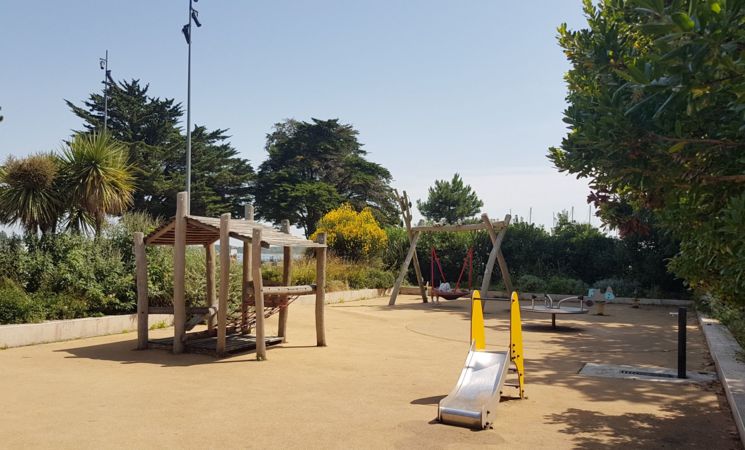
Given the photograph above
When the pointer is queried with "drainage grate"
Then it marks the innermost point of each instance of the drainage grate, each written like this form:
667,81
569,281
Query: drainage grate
647,374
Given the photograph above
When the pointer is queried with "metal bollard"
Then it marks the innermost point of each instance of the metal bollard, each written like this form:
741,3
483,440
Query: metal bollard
682,321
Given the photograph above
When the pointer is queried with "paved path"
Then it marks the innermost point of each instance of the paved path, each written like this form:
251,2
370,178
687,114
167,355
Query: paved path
375,386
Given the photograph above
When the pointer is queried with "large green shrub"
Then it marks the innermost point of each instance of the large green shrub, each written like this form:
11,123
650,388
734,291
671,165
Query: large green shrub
531,283
565,285
61,305
16,306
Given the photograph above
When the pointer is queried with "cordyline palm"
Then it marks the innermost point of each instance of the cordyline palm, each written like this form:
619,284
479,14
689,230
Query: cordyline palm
30,194
98,177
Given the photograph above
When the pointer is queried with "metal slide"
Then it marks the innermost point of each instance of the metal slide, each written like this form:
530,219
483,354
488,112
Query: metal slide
473,401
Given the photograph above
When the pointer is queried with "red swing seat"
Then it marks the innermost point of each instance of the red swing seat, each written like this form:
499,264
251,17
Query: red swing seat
457,292
451,295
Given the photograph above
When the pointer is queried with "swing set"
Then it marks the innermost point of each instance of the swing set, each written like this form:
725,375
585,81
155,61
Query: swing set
496,230
443,289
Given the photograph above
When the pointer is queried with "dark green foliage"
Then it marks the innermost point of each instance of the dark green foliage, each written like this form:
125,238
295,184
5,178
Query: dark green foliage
528,250
312,168
395,251
148,126
61,305
583,252
87,268
565,285
531,283
370,278
16,306
450,201
622,287
656,117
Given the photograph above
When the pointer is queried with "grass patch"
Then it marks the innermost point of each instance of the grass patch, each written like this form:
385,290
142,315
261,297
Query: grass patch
159,325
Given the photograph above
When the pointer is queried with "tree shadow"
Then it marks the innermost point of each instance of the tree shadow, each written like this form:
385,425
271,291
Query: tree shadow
124,352
594,429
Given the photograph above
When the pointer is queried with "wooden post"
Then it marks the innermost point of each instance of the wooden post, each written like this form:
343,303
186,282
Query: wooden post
142,301
505,273
179,273
209,250
286,280
258,295
496,240
404,268
320,290
247,276
222,307
406,213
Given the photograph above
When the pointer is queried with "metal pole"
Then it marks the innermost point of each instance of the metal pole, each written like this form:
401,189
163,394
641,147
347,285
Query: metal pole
106,94
188,120
682,321
105,68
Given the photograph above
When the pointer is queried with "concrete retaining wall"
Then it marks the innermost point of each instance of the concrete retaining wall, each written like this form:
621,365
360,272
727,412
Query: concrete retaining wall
63,330
342,296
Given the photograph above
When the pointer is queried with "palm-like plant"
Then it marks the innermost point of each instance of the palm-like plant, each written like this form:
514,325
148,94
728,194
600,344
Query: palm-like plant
98,177
30,194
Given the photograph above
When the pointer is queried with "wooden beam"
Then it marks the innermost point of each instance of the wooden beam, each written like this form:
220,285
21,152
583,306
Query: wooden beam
496,239
247,276
286,280
404,268
465,227
142,300
258,295
222,306
505,273
320,290
179,273
290,290
212,310
406,213
159,233
210,269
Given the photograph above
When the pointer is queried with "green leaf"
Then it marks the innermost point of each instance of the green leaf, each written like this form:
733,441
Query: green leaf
677,147
683,20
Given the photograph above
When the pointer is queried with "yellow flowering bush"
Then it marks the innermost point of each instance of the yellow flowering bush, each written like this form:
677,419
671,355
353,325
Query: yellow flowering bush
352,235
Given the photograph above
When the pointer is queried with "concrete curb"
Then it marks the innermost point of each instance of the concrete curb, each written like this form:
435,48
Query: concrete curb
413,290
724,350
19,335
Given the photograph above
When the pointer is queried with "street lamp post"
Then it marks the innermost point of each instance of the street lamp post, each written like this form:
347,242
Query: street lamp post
104,64
193,17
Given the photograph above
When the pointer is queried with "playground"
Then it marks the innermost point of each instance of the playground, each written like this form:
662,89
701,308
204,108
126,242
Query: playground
377,384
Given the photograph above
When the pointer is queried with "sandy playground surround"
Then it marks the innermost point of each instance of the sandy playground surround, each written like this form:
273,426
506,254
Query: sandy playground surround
376,385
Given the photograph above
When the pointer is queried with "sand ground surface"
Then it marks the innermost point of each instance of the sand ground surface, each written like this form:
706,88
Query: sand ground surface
376,385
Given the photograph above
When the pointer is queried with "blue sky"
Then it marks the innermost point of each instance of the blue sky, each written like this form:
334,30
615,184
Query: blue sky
433,87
